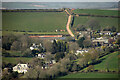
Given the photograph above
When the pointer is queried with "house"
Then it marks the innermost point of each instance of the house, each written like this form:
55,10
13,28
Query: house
41,56
21,68
81,52
118,33
52,62
100,41
35,47
106,33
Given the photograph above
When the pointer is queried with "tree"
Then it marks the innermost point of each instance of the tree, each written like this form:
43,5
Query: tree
59,55
80,42
113,29
28,53
47,45
7,41
54,47
16,46
90,68
87,43
81,27
73,46
48,56
94,54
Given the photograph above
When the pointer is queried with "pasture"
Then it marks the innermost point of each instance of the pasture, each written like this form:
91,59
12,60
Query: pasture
110,61
102,21
91,75
15,60
34,21
97,12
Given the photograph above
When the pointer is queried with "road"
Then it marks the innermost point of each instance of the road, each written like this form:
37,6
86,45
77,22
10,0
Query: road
68,23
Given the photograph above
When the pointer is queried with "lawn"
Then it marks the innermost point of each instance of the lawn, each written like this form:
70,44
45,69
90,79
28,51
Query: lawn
15,53
97,12
110,61
34,21
15,60
102,22
91,75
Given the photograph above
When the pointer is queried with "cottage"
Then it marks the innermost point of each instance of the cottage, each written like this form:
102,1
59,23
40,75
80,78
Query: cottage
35,47
81,52
21,68
41,56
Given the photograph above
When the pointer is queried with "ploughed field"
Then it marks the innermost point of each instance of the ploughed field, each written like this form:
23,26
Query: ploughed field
34,21
97,12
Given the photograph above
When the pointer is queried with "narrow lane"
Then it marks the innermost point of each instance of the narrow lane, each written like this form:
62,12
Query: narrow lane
68,23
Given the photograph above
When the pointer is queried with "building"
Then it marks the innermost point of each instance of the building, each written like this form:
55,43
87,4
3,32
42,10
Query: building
41,56
21,68
81,52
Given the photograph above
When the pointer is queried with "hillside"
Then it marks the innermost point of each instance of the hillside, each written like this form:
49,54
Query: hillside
110,61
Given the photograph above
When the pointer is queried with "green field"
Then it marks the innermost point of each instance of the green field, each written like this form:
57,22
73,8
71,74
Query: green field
97,12
15,53
91,75
103,22
34,21
15,60
110,61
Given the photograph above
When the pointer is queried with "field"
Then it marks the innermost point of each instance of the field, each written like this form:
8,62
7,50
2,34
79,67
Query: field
103,22
110,61
97,12
15,60
91,75
34,21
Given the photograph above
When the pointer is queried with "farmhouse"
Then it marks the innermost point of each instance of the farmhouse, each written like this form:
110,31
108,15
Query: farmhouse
21,68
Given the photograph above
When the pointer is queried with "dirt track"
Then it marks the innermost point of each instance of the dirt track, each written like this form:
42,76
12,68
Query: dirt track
68,23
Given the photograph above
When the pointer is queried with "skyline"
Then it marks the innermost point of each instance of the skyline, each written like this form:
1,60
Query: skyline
60,0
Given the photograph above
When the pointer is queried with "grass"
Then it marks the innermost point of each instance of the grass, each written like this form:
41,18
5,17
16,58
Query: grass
34,21
97,12
15,53
39,33
110,61
103,22
15,60
91,75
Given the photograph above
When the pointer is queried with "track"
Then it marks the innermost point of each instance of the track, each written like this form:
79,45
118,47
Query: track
68,23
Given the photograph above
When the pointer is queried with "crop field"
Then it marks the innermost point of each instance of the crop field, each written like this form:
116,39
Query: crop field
97,12
15,60
34,21
91,75
102,21
110,61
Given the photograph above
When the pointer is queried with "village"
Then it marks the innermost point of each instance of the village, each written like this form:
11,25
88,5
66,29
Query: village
103,40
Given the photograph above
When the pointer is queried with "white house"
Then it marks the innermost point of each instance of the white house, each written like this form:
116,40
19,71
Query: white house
81,52
41,56
118,33
21,68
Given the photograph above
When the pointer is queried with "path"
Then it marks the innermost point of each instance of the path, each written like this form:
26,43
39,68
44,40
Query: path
68,23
